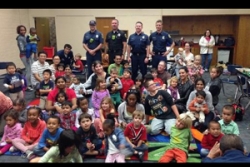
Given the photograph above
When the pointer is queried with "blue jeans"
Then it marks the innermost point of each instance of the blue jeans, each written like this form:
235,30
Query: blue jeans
30,48
206,60
141,148
204,152
38,151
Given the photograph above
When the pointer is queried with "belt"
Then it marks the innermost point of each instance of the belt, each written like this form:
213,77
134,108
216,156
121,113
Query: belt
115,51
138,54
159,53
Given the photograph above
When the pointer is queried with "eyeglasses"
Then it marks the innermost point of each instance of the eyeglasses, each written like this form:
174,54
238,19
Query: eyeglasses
132,91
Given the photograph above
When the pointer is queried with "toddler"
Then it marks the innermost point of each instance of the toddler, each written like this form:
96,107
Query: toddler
197,108
60,70
78,87
78,66
173,89
49,137
31,133
89,138
68,118
116,146
31,46
179,61
83,107
214,135
127,83
195,69
180,138
14,82
12,130
98,94
136,134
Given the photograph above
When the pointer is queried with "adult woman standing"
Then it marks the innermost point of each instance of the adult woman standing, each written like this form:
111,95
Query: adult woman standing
60,85
126,108
200,85
206,43
6,105
189,56
53,67
185,87
27,62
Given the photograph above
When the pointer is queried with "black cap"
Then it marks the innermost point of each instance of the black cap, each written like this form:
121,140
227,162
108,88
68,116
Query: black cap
92,23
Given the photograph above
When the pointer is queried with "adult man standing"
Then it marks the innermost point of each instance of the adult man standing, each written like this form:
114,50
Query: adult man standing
116,42
92,43
66,55
138,45
160,40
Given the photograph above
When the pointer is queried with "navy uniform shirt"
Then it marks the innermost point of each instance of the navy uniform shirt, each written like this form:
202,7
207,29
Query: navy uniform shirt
92,39
160,41
115,40
138,42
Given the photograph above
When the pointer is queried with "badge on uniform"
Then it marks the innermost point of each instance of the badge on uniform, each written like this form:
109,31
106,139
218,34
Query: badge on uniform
118,34
96,36
113,37
91,40
163,37
143,37
169,36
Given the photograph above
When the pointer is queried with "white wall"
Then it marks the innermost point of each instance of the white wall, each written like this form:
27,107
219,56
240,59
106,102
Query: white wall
10,19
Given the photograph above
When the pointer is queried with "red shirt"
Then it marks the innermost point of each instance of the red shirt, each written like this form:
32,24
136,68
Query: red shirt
126,85
59,73
208,141
135,135
77,63
158,81
52,94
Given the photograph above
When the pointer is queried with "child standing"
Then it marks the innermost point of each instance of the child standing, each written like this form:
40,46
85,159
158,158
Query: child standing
68,118
83,107
12,130
87,132
180,138
32,40
198,108
114,86
14,82
19,105
228,126
214,135
179,61
66,149
116,146
49,137
78,66
107,107
196,69
136,134
60,70
173,89
98,94
45,87
78,87
127,82
31,133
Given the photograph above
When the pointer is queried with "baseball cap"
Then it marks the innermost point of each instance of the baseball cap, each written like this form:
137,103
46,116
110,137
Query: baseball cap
92,23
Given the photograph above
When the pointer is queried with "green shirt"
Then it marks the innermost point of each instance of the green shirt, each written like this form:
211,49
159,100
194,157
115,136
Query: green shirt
119,69
231,128
52,155
180,138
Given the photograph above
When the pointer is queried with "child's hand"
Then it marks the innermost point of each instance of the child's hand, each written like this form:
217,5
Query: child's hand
124,124
197,109
8,141
113,88
191,148
112,80
122,146
11,87
205,132
92,147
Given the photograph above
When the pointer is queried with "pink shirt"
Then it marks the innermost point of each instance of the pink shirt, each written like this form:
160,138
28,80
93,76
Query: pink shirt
52,94
12,132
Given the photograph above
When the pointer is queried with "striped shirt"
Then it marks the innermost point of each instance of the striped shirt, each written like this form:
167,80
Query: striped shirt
38,68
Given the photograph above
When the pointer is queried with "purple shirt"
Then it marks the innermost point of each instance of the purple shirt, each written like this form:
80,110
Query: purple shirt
12,132
96,99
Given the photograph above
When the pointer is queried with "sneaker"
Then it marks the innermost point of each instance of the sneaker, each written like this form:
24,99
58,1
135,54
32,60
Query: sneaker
141,156
13,149
29,154
29,88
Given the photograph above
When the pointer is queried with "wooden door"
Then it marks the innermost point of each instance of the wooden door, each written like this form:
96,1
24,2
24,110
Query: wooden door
43,32
103,24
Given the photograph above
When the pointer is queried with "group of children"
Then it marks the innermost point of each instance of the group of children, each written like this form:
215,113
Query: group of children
67,135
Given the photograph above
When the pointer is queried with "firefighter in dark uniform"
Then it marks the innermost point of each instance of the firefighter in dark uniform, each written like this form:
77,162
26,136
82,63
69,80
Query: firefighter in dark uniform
116,41
138,45
92,43
160,40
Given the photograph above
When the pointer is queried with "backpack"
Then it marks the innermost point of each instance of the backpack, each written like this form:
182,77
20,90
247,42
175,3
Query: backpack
239,112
